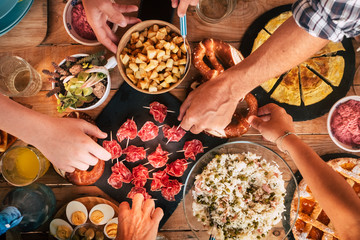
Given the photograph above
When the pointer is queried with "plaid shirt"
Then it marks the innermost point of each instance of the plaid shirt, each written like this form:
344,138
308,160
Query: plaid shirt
328,19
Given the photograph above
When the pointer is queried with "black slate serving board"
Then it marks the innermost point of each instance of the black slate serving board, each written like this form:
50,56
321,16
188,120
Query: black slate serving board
128,103
291,187
302,112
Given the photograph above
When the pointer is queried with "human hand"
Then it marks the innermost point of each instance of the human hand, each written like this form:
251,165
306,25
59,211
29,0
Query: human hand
67,144
272,122
98,12
183,6
210,106
140,222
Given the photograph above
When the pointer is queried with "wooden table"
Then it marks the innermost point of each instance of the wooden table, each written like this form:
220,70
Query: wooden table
57,45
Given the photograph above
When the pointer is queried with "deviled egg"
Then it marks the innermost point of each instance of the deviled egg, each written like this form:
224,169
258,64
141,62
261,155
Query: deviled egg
76,213
110,229
60,229
101,214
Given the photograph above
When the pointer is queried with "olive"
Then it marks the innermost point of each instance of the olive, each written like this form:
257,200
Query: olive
75,237
90,233
99,235
81,231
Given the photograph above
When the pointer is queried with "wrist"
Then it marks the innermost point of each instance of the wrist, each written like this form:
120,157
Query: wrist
283,140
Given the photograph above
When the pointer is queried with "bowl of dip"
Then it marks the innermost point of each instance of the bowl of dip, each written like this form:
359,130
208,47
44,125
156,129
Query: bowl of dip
77,26
343,123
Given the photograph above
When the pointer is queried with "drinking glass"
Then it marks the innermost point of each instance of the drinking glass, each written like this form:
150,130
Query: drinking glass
213,11
18,78
22,165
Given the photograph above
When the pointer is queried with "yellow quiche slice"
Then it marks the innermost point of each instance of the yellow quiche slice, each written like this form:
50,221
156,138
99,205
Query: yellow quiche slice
288,90
331,47
331,68
274,23
314,89
260,39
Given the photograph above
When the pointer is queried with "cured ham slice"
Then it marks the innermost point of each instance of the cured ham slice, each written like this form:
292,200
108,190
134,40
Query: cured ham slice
134,153
140,175
127,130
158,111
115,181
113,147
136,190
171,189
192,148
160,178
148,132
176,168
158,158
174,133
124,173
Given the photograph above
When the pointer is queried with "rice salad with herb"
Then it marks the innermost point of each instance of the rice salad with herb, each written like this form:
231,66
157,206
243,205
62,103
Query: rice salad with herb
242,195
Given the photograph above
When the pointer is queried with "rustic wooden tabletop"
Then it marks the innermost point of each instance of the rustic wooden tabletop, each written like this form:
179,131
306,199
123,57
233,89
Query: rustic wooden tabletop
57,45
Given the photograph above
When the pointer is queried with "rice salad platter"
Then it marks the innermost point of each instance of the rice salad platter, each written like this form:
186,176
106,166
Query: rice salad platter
239,196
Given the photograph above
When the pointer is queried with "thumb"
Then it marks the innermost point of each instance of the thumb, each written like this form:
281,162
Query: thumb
255,122
93,130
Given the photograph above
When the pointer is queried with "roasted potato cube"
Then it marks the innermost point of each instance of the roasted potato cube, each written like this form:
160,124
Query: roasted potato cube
176,49
183,48
157,80
160,54
134,67
144,85
151,34
166,74
153,64
125,59
168,29
178,75
177,39
175,70
160,35
128,70
154,40
141,38
165,84
132,78
169,63
175,78
174,57
155,27
153,75
142,66
142,57
176,63
139,44
182,61
147,44
151,53
138,75
153,89
161,76
161,67
169,79
159,87
179,54
168,38
167,45
182,69
172,46
135,35
138,61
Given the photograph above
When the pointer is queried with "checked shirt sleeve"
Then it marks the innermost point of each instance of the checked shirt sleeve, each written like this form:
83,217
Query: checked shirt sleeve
328,19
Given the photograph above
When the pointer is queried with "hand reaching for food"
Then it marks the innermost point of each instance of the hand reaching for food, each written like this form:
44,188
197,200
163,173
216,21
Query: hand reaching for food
68,145
139,222
99,12
210,106
183,5
272,122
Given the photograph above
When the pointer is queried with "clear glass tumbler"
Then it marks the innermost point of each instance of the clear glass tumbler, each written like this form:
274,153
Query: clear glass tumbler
18,78
23,165
213,11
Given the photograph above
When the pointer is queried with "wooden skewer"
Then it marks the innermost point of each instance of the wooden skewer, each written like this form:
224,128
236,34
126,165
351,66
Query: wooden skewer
168,141
184,150
151,170
170,111
127,142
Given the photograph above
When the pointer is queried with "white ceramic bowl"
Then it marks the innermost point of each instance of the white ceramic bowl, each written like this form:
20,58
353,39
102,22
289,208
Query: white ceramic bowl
333,138
70,30
111,63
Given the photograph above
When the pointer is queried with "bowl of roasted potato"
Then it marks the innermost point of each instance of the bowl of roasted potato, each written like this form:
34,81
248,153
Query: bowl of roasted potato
152,57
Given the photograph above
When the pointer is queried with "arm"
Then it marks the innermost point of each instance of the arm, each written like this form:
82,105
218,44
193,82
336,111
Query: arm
343,208
98,12
63,141
212,104
140,222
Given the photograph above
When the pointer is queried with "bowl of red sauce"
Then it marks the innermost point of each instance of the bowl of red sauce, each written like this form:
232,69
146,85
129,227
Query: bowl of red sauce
343,123
77,26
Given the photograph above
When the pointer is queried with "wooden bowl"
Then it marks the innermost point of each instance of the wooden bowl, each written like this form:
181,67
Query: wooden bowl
138,28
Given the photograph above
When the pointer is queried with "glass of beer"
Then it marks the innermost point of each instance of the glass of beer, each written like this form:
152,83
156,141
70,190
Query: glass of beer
18,78
23,165
213,11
